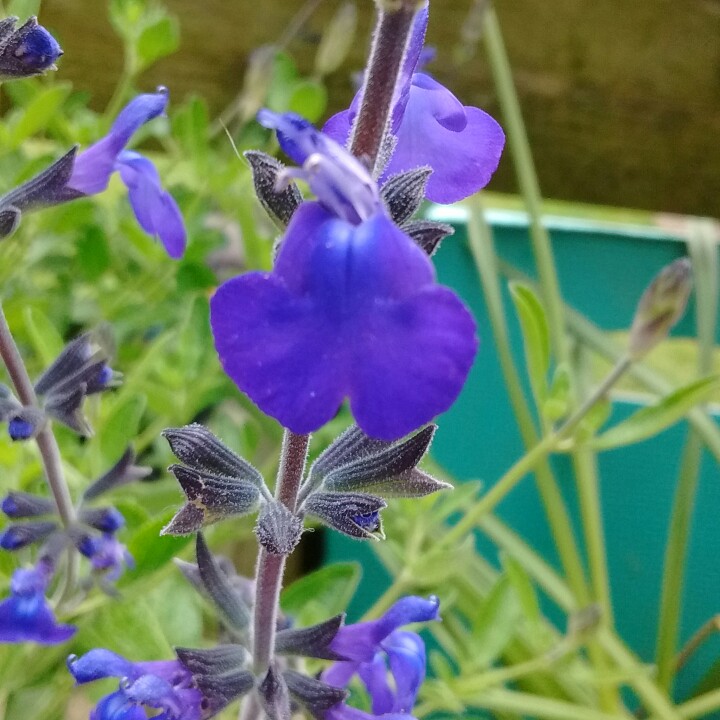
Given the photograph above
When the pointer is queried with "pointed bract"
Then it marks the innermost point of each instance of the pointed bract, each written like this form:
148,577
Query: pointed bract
233,611
313,641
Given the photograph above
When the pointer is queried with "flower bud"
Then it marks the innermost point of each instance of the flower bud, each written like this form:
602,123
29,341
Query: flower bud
26,423
26,51
660,307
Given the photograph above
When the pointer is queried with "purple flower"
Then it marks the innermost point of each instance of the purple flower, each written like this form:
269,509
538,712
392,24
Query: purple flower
432,128
375,648
351,309
106,554
154,208
164,685
26,616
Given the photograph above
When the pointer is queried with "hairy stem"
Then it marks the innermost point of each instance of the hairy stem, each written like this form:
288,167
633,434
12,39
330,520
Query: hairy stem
389,45
270,568
49,451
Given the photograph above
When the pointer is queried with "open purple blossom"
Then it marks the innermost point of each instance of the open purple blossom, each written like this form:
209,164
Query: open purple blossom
378,648
26,616
155,209
164,685
351,309
432,128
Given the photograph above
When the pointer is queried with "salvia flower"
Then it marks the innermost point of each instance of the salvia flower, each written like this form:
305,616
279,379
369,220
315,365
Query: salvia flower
26,616
164,685
432,128
155,209
377,649
26,51
351,309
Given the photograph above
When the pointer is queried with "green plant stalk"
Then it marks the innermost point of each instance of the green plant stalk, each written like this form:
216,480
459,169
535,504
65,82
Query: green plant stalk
703,252
653,698
482,247
590,510
527,179
597,340
530,460
549,283
701,705
527,704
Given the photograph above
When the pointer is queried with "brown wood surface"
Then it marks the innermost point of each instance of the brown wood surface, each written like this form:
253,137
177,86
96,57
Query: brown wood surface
621,97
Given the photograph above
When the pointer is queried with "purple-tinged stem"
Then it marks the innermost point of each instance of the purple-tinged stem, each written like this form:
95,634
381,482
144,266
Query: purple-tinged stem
390,41
49,450
270,568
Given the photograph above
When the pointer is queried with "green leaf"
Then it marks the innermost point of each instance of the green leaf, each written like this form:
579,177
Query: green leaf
151,551
23,8
158,40
309,99
536,337
654,419
190,125
93,253
46,340
523,587
121,427
195,336
321,594
38,114
557,402
496,623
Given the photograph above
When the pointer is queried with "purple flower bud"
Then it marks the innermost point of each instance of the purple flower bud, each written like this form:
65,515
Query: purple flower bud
20,535
105,519
29,50
17,504
20,429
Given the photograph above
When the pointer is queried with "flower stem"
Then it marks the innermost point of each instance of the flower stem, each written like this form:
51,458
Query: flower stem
49,451
531,459
706,273
527,179
270,568
482,247
389,45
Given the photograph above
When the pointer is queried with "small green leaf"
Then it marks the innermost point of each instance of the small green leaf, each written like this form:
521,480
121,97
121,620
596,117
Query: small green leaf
523,587
38,114
151,551
195,336
654,419
309,99
46,340
23,8
321,594
495,623
121,426
557,402
536,337
93,253
190,125
158,40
